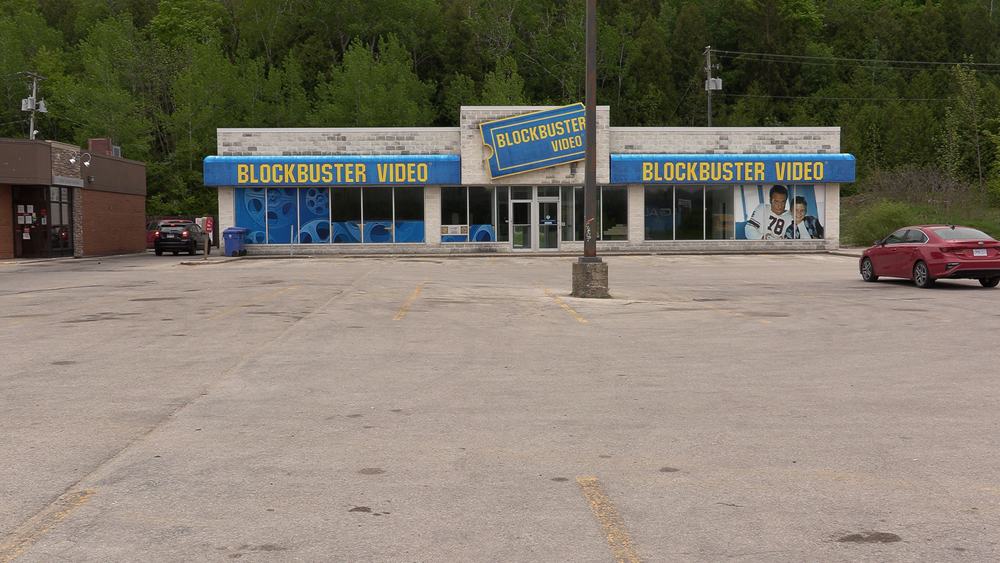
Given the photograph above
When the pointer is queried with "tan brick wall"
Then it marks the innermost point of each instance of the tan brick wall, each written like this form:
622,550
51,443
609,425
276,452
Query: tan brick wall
333,141
111,223
6,223
725,140
475,169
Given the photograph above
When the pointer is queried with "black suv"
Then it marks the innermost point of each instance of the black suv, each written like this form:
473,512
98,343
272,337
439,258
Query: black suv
176,236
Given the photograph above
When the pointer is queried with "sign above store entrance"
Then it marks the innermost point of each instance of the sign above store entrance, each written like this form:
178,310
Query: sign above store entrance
536,140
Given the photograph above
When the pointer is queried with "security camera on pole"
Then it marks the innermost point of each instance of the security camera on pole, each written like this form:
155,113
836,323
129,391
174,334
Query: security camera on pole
590,273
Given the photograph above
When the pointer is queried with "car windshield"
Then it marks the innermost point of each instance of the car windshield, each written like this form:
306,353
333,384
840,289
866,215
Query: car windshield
961,233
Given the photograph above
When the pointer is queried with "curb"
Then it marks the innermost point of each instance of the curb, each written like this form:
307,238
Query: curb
210,262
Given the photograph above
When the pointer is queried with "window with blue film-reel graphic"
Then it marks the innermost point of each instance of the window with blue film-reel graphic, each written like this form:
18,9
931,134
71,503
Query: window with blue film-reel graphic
303,215
250,213
282,215
314,215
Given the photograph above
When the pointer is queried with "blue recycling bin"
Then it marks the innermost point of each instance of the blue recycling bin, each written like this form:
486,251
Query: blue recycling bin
234,238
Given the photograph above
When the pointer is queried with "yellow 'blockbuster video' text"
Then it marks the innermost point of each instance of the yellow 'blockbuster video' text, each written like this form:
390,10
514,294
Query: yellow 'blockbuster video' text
331,173
541,132
731,172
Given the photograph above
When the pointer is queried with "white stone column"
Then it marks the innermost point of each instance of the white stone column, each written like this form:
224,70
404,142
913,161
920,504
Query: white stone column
832,212
227,211
636,214
432,215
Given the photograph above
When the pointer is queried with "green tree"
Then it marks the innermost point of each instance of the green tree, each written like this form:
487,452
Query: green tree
504,86
23,33
374,89
102,96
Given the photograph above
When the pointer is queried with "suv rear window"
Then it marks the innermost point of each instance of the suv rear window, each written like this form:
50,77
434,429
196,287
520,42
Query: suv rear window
962,233
175,227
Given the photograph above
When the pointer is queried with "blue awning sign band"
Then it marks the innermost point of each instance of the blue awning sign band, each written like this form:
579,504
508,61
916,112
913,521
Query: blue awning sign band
536,140
335,170
732,168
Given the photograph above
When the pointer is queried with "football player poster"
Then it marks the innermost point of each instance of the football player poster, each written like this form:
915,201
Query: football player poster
778,211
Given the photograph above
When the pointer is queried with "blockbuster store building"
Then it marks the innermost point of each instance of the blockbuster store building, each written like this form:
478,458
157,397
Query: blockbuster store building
510,179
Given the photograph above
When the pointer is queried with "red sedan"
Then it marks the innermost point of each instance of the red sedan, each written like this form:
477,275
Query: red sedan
932,252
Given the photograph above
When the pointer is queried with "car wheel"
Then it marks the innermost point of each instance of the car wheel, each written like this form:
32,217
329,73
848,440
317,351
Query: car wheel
921,275
868,271
989,282
176,252
158,251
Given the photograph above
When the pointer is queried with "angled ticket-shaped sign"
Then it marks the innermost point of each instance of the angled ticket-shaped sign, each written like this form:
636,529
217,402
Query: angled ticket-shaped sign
535,140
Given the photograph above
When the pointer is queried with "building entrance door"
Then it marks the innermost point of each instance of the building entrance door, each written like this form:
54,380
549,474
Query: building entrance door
548,225
520,235
31,222
535,218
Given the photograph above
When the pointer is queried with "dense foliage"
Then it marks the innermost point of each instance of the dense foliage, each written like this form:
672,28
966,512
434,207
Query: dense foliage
159,76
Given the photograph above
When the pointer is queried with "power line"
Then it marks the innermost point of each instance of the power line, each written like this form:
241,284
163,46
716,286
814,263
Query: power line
858,65
837,98
848,59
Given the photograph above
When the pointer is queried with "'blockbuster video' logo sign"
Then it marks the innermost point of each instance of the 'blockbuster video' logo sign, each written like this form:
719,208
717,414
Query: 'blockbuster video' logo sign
535,140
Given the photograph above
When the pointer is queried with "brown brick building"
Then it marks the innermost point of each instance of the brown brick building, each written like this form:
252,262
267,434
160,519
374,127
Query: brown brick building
59,200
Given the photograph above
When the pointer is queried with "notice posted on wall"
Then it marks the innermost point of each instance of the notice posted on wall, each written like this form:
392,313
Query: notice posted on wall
26,235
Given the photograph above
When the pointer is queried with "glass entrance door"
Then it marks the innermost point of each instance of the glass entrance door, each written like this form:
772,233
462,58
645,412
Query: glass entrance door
520,235
548,225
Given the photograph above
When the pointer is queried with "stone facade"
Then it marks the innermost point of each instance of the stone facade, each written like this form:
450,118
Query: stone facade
323,141
63,171
467,142
725,140
475,170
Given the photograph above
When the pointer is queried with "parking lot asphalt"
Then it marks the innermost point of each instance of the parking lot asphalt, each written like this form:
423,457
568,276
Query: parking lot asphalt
753,408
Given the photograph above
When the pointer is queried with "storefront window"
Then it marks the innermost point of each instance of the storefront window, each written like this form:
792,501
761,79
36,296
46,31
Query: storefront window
345,214
60,222
568,217
282,216
614,213
481,216
314,215
689,212
659,212
376,210
409,214
474,214
779,211
503,221
807,210
454,215
719,213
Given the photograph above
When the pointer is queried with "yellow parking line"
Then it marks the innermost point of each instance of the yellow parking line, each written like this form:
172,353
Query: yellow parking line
234,308
606,513
409,301
579,318
31,531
